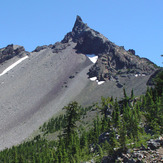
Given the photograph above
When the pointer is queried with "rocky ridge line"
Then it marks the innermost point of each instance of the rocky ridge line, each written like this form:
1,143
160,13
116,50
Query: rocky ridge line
113,59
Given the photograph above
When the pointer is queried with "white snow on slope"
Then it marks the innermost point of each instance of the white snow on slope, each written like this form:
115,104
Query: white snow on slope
93,78
93,58
136,75
13,65
100,82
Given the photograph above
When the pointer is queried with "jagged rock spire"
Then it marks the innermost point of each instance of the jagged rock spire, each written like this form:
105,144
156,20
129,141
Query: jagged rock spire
79,26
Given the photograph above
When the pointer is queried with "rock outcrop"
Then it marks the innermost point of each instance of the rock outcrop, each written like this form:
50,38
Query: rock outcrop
39,48
153,153
10,51
112,59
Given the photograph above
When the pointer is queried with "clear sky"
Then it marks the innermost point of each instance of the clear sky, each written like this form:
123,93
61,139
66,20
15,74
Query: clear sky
134,24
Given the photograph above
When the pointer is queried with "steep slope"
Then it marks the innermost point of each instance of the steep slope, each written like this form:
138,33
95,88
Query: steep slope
53,75
36,89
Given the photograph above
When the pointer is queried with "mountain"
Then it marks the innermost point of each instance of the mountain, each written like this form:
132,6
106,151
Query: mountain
112,58
36,85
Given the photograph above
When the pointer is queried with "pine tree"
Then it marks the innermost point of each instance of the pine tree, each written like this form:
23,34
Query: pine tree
116,114
65,156
105,125
97,129
72,115
112,138
132,94
100,151
83,139
104,108
16,156
124,93
159,83
123,135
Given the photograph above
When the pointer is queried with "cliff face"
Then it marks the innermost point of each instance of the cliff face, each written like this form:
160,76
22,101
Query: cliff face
113,59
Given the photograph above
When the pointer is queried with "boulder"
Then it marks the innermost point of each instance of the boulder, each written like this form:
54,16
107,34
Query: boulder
153,144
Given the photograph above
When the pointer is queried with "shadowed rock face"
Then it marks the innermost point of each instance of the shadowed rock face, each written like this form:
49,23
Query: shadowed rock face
112,60
10,51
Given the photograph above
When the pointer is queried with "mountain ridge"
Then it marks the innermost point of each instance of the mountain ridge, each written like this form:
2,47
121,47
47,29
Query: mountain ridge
55,74
112,58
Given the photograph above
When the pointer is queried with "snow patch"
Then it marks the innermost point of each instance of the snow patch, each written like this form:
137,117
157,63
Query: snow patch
93,58
93,78
100,82
136,75
13,65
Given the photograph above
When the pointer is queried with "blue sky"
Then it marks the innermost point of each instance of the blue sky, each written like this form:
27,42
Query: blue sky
134,24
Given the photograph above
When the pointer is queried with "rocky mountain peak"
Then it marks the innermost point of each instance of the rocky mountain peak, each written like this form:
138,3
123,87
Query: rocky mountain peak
85,37
79,26
112,59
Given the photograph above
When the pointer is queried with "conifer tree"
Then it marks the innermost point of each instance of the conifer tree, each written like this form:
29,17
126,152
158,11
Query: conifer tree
159,83
72,115
104,108
105,125
112,138
100,151
84,139
124,93
116,114
123,135
97,129
132,94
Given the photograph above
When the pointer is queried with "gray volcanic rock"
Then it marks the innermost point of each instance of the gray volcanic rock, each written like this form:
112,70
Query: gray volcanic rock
112,58
39,48
131,51
59,46
10,51
35,90
78,28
